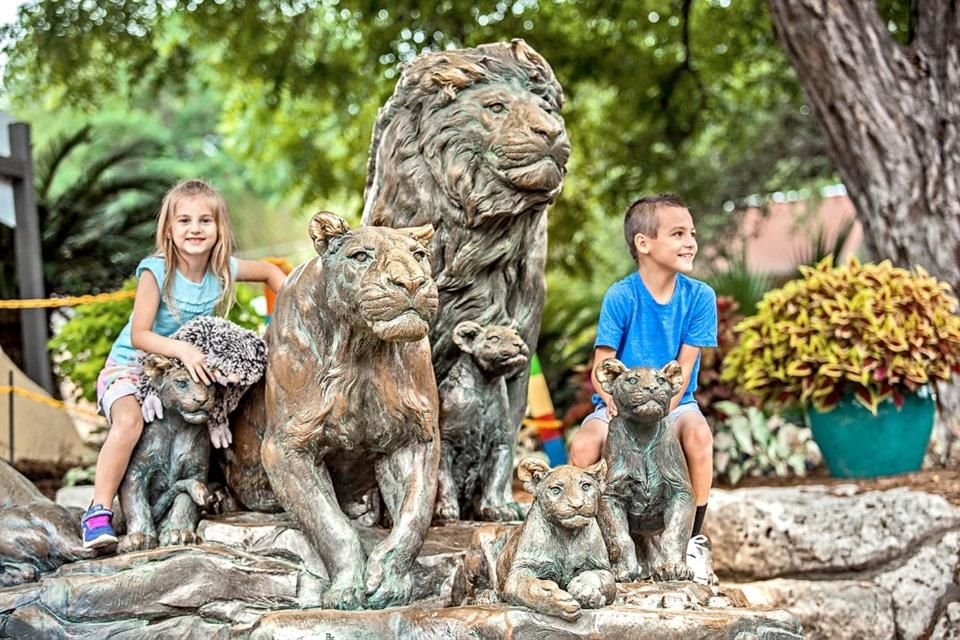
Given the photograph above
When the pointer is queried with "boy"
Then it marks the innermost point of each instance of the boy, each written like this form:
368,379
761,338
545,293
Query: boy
649,318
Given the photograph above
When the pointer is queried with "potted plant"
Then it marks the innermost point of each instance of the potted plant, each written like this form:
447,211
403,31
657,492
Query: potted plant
856,346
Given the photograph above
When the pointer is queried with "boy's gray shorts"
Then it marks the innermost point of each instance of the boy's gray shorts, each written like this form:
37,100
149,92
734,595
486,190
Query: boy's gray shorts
600,413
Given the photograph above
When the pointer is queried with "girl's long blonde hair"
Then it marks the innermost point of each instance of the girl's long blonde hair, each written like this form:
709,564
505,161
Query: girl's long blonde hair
220,254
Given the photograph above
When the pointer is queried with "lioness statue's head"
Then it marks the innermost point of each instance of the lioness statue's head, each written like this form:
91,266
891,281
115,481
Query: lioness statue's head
642,392
177,390
497,349
568,496
483,124
376,276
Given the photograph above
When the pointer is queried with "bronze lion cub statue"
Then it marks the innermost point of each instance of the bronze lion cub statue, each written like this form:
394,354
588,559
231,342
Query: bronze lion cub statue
477,435
348,411
165,483
555,562
647,510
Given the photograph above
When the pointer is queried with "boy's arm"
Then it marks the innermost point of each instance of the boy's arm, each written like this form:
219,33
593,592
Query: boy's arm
599,355
260,271
687,358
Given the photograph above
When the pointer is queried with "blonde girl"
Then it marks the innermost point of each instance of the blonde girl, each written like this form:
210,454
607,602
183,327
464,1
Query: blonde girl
191,273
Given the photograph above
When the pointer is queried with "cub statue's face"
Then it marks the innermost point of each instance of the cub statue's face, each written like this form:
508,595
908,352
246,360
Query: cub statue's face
177,390
497,349
642,392
567,495
377,276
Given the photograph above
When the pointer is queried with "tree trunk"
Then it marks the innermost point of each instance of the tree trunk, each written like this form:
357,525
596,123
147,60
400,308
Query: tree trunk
891,114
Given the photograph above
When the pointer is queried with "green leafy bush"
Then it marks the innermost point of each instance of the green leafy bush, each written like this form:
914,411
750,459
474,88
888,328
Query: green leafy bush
871,330
81,346
750,443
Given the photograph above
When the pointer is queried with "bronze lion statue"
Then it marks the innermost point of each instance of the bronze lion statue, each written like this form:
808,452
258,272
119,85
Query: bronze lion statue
472,142
348,407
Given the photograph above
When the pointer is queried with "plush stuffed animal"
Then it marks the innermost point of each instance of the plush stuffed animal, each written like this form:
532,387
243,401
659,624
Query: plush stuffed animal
236,357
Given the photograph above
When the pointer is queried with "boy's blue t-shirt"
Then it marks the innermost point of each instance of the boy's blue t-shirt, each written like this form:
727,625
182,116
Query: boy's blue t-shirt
192,299
647,333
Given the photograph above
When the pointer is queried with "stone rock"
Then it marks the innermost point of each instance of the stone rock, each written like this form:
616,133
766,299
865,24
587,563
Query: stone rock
762,533
918,585
948,627
830,609
275,535
484,622
79,496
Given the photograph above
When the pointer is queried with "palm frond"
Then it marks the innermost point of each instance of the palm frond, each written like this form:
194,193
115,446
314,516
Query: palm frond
46,162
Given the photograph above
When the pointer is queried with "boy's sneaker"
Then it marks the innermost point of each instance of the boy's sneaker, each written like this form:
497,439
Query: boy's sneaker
97,528
700,561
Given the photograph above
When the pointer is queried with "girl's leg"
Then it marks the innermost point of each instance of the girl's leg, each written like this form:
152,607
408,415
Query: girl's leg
126,425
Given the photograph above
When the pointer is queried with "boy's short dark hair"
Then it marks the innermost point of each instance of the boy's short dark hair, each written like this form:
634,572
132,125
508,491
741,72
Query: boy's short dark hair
641,217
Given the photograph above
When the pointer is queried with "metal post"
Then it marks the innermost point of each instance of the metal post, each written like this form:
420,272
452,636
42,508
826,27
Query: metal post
29,260
10,402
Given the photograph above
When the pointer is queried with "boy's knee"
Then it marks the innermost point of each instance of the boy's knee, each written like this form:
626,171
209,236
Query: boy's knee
586,446
696,437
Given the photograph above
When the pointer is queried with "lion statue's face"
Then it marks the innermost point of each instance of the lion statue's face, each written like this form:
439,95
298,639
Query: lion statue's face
497,350
643,393
177,391
377,277
497,138
507,130
566,495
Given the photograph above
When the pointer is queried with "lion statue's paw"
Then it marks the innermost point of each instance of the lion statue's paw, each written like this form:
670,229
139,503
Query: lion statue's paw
587,589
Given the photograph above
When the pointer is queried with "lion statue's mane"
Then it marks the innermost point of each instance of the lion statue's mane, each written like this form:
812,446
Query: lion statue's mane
472,143
427,166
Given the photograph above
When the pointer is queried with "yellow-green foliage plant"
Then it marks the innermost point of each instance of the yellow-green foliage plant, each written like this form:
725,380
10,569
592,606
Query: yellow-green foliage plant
871,330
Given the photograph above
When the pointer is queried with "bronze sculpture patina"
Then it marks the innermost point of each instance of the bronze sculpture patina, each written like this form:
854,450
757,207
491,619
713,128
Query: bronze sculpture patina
472,142
556,561
165,483
647,510
476,439
349,408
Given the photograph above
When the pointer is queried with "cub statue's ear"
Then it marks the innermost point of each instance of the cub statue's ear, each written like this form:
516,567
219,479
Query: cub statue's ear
464,335
674,375
155,365
531,472
423,234
325,225
607,371
599,473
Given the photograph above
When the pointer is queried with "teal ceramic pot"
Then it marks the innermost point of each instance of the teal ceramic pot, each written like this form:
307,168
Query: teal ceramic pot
857,444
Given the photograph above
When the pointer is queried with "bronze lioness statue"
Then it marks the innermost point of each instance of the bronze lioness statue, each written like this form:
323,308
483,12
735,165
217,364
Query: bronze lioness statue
555,562
472,142
349,406
648,507
165,482
476,439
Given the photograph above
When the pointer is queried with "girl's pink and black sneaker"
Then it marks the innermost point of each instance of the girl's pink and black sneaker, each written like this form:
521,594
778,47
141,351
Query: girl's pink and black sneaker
97,527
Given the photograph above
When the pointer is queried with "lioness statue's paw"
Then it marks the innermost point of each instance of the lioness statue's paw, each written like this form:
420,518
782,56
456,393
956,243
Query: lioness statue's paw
626,572
668,571
345,596
500,512
446,510
386,587
176,537
137,542
586,589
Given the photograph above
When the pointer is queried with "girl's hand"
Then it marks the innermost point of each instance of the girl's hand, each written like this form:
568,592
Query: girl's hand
195,363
